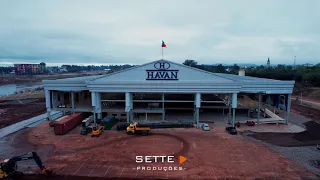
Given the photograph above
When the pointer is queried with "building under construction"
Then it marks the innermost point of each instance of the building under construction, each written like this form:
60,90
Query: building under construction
167,91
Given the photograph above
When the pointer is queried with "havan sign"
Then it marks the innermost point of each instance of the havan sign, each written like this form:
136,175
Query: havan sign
162,72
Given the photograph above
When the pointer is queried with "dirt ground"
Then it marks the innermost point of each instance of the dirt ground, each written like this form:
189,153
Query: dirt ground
24,79
310,93
31,94
310,137
210,155
15,111
312,113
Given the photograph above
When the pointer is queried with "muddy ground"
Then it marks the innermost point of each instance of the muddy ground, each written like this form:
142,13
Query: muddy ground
210,155
15,111
25,79
312,113
310,137
36,177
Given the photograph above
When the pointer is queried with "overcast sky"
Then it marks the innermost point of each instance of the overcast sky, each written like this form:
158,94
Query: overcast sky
130,31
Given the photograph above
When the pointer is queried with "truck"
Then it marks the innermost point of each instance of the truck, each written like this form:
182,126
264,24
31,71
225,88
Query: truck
136,128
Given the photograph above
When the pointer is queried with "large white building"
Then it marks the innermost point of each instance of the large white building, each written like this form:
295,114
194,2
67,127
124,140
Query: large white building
160,90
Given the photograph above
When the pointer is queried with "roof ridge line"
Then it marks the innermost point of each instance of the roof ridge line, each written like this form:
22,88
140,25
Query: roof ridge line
123,70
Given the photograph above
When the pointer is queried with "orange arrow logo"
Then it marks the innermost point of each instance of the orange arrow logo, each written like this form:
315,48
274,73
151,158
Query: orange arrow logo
182,159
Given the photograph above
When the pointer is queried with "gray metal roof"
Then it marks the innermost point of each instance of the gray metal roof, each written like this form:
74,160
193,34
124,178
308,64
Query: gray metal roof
190,80
75,79
245,78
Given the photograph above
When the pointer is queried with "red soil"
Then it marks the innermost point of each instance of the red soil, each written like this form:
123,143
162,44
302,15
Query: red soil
210,155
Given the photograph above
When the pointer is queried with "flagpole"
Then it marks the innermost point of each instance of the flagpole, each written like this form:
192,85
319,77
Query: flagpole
162,52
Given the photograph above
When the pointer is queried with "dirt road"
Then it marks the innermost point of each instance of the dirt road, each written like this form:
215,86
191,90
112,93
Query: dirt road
15,111
313,103
38,78
210,155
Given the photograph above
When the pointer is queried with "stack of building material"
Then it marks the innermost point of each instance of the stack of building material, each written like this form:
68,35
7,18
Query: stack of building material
68,123
85,125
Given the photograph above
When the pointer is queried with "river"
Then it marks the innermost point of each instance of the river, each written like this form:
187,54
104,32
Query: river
12,88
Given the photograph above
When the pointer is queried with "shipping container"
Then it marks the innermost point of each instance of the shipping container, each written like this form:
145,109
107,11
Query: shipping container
67,124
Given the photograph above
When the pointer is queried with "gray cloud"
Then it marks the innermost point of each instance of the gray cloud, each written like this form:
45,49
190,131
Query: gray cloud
125,31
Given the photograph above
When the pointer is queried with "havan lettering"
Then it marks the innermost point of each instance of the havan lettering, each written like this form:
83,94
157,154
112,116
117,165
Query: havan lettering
162,71
162,75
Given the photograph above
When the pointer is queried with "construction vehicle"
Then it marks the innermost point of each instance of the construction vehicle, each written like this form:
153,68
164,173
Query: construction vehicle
97,131
136,128
8,168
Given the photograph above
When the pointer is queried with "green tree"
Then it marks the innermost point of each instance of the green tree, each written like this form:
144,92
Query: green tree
235,69
220,69
190,62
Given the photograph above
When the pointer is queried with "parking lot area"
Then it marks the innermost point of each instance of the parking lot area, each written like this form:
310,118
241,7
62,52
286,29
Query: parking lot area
211,154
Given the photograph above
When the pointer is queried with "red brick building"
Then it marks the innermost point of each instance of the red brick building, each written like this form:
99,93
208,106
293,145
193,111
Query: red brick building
29,69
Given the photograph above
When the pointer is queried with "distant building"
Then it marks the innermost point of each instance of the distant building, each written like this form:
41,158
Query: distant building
29,69
268,63
107,70
62,69
65,67
307,65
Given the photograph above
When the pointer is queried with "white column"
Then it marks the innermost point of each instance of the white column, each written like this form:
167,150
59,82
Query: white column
94,105
131,100
98,105
198,105
93,99
288,108
234,106
163,111
128,105
72,101
53,100
48,103
259,101
229,104
131,107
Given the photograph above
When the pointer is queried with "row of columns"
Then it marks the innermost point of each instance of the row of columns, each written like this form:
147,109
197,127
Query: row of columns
288,107
96,104
129,106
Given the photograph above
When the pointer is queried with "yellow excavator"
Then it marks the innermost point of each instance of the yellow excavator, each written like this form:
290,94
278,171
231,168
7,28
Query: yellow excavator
8,168
97,131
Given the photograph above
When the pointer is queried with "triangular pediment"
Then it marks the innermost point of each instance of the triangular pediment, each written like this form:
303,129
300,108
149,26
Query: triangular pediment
162,71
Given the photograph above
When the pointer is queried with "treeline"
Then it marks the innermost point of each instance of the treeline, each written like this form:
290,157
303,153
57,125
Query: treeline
213,68
75,68
301,74
306,75
6,70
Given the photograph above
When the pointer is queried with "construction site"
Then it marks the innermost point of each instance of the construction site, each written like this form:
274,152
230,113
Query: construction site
96,126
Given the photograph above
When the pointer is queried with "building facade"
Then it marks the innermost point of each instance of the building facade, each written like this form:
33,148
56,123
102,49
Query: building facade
29,69
162,91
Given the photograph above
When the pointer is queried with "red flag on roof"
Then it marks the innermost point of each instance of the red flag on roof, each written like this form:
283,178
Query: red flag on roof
163,45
